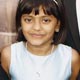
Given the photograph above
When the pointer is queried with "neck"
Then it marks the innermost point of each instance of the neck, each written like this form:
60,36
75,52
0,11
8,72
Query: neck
40,50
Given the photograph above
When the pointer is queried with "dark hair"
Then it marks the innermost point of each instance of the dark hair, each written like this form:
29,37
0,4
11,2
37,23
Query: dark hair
50,7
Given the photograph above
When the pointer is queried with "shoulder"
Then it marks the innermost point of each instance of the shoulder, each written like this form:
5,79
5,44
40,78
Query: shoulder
6,51
5,57
65,52
18,44
75,63
75,58
70,50
65,49
75,55
6,54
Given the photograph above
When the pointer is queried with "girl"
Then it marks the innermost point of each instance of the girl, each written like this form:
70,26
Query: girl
39,54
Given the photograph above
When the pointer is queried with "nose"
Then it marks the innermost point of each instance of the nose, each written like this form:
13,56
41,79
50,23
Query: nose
37,25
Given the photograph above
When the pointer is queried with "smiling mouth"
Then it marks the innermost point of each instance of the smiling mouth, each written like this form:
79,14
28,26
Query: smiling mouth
37,35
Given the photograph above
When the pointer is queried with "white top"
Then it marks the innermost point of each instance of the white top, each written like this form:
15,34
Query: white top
27,66
78,13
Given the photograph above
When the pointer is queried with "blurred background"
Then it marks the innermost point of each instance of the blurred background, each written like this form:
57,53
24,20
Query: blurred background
7,22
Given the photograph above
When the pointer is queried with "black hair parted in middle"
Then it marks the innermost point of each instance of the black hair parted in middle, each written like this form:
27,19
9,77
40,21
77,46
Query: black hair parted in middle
50,7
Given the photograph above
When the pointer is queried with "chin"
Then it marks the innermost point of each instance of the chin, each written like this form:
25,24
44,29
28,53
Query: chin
36,43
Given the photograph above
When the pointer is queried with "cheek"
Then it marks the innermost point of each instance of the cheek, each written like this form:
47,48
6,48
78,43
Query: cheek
49,28
26,27
25,30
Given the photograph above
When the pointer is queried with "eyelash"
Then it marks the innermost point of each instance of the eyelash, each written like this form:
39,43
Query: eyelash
29,20
46,20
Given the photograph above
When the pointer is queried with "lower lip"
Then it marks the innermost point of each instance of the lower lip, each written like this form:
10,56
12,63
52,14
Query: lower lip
37,36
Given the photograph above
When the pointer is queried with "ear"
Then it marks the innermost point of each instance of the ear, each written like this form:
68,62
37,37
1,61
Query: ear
57,27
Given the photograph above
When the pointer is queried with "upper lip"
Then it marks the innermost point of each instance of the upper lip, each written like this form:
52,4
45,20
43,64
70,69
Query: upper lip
37,34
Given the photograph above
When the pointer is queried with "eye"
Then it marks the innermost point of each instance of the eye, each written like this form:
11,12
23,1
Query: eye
28,20
46,20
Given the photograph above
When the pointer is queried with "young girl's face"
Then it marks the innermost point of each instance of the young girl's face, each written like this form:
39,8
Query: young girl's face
39,29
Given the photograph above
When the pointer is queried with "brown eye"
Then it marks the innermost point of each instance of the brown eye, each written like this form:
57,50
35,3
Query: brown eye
28,20
46,20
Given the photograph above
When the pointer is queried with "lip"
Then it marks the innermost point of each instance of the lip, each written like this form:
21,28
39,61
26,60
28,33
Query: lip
37,35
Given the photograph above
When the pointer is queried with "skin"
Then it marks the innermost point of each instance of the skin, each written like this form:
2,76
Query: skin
39,30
